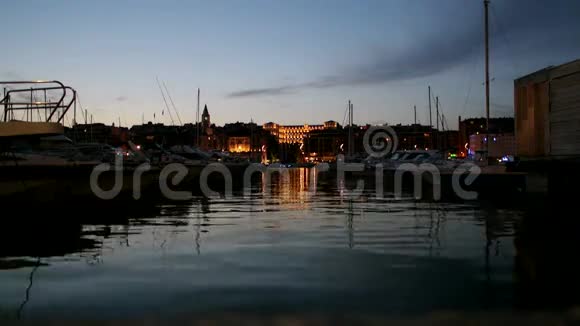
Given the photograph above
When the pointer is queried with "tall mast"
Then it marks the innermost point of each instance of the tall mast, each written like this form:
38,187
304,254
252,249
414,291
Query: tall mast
430,121
437,121
415,110
251,139
437,112
197,134
349,128
486,6
430,118
91,128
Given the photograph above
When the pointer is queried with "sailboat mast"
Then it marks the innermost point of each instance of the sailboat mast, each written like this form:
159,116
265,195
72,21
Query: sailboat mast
430,117
197,126
349,128
486,6
437,112
437,122
251,139
430,121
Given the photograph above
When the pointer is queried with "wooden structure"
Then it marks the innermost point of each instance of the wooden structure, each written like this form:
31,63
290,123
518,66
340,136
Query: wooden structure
547,112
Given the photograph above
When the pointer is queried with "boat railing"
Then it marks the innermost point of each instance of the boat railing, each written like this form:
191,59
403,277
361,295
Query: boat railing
32,98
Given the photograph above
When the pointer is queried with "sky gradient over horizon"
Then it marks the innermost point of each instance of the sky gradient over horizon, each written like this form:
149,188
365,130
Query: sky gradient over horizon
291,62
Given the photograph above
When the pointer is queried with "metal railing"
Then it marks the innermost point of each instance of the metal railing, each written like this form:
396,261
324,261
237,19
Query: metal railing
15,99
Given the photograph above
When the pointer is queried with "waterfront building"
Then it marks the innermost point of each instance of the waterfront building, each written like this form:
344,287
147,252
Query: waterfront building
98,133
478,126
547,112
294,134
208,139
500,145
205,119
239,144
324,145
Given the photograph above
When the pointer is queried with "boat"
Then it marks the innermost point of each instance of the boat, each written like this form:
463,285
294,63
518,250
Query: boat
37,161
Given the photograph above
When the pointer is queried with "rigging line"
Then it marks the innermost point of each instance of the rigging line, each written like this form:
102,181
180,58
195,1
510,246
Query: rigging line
165,101
172,104
440,113
81,107
435,101
476,59
344,117
470,86
37,111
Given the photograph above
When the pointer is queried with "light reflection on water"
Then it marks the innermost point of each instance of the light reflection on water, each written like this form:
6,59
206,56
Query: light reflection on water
287,248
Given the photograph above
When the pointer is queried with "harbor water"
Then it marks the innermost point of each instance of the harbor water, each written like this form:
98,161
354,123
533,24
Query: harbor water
287,250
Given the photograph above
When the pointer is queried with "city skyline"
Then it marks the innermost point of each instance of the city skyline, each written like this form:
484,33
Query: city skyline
289,63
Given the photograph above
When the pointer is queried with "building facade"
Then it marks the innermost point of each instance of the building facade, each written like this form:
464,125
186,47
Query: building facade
478,126
294,134
239,144
500,145
98,133
547,112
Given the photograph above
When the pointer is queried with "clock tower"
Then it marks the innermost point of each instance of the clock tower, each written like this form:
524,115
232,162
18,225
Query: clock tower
205,120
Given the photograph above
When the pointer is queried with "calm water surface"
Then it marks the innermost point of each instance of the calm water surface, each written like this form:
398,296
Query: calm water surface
292,251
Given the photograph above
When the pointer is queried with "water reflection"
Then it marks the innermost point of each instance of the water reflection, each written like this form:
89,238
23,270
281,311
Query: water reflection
287,247
290,187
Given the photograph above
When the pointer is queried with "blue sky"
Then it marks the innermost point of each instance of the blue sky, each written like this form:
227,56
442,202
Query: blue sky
285,61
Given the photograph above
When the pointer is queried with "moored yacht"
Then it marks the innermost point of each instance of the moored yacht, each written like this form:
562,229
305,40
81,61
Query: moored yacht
37,161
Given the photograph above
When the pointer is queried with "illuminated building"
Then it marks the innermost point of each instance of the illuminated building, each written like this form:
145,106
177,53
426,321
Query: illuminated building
500,145
294,134
238,144
477,126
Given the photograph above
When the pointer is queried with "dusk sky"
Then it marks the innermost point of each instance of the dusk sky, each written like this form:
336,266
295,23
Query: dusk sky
291,62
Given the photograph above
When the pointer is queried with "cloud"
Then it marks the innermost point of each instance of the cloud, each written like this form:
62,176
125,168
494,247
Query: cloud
427,58
121,98
422,60
450,44
265,91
